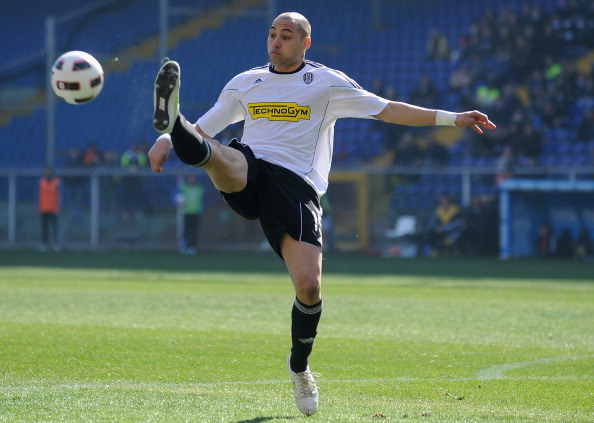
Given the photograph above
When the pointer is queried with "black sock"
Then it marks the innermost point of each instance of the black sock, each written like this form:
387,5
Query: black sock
304,327
189,146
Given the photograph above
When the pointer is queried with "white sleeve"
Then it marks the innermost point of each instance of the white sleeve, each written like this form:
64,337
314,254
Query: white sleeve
355,102
226,111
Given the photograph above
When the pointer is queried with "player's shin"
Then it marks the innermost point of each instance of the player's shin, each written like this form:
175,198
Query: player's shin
188,144
304,327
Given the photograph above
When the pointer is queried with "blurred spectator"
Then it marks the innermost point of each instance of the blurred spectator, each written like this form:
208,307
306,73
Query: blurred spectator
552,68
565,247
584,249
489,245
585,129
509,101
425,93
480,230
132,199
551,114
74,186
498,65
437,46
49,207
110,159
134,158
521,59
110,185
584,84
512,136
461,84
91,157
74,160
487,93
378,87
407,152
505,164
530,144
548,44
191,202
545,241
474,219
445,227
435,154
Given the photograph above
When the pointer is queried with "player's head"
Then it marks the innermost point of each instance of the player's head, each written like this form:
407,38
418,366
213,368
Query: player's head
303,25
288,39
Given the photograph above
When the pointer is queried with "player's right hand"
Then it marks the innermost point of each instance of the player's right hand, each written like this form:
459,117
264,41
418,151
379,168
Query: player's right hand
158,154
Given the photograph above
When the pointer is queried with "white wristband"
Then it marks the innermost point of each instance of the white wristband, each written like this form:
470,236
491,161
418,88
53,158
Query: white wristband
166,137
443,118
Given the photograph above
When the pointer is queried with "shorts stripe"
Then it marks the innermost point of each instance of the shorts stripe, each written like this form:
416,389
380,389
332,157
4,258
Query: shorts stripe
300,221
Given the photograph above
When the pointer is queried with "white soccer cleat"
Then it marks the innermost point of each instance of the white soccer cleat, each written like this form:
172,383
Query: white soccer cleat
306,392
166,97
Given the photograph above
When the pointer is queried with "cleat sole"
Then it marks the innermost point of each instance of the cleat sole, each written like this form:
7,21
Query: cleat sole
165,86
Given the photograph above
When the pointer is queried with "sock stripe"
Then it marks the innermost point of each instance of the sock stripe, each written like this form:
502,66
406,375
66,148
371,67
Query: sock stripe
207,158
315,309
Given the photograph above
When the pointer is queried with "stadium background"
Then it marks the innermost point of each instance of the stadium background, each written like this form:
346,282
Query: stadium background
537,55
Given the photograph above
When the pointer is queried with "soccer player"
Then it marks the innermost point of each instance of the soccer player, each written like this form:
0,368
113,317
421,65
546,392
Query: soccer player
279,170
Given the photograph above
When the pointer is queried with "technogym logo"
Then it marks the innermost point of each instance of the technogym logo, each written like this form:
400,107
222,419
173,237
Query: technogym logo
290,112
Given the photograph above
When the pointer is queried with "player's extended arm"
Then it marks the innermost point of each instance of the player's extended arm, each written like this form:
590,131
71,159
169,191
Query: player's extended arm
411,115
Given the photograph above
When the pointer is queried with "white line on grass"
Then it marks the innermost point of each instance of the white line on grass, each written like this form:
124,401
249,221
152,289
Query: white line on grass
490,373
197,385
498,371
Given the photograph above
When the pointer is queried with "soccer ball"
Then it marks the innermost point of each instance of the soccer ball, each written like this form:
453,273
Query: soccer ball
77,77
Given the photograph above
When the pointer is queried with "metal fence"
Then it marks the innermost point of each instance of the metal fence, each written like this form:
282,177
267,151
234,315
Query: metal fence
114,209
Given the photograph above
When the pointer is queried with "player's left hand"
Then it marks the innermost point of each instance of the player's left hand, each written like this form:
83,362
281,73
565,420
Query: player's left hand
158,154
475,120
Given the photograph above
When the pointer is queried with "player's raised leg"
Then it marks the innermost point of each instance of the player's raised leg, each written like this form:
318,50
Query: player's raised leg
189,145
226,167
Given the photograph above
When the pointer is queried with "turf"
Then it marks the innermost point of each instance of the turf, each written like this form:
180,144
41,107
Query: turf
160,337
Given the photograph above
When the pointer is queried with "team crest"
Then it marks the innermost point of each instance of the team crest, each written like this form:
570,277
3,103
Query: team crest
308,77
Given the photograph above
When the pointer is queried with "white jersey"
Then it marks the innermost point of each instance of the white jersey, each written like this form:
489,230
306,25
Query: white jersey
290,117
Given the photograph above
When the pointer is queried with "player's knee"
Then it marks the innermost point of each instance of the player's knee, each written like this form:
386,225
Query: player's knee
308,289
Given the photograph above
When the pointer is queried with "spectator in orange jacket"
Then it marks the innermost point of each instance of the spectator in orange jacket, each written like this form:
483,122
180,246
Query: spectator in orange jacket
49,207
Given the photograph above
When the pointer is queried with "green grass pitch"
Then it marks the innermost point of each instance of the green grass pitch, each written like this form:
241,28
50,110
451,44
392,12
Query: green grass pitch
160,337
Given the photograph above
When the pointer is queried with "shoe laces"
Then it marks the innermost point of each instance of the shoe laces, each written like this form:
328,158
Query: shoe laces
306,383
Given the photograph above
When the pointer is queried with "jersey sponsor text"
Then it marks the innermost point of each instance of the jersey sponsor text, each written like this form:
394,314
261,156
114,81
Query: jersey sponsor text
290,112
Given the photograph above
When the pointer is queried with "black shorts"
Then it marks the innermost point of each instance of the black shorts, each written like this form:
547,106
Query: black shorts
283,201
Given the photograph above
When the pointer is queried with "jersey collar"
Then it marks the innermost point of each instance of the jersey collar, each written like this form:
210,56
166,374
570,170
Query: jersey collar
272,70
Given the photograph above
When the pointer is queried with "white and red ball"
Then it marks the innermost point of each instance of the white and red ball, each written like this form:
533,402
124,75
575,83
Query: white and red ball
77,77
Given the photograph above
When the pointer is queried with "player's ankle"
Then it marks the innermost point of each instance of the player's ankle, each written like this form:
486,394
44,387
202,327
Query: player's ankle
189,145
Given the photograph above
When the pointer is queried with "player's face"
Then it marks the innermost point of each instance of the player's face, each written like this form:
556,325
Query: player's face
286,48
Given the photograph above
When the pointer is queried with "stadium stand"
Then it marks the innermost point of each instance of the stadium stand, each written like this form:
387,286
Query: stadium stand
364,40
